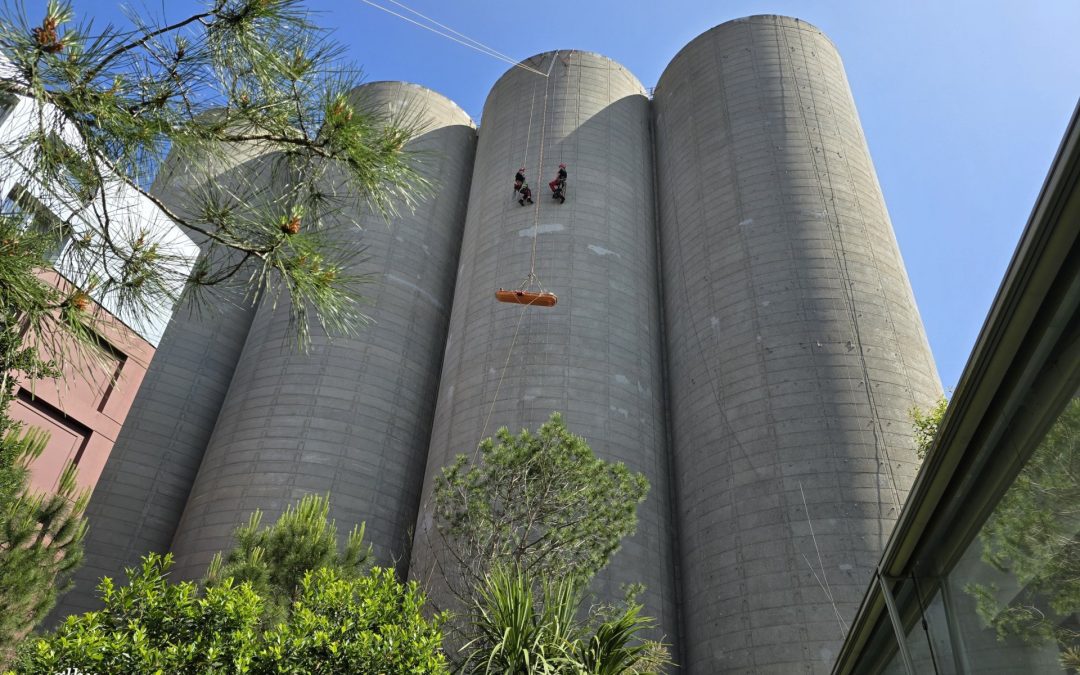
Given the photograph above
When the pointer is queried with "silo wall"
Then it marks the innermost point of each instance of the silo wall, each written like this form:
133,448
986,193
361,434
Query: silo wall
138,501
795,348
352,416
596,355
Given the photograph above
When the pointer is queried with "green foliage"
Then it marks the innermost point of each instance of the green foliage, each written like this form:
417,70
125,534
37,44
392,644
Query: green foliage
234,79
1032,536
274,560
541,502
24,303
513,633
41,539
370,624
338,626
925,425
520,625
153,626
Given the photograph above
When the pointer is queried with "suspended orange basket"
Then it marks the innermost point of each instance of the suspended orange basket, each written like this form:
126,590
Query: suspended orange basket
523,297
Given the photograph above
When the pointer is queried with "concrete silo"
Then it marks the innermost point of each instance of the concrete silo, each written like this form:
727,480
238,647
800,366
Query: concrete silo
794,345
596,356
352,416
137,502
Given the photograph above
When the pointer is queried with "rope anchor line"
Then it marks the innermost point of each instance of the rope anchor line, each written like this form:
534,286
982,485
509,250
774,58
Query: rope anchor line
461,38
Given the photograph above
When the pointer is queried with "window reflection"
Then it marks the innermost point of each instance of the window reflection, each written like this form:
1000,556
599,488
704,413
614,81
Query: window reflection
1011,602
1017,586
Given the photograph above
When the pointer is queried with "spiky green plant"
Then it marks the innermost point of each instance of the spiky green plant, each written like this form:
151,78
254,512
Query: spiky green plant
524,626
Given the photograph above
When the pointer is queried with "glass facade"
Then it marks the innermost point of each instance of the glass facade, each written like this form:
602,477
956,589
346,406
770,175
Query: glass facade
982,574
1011,602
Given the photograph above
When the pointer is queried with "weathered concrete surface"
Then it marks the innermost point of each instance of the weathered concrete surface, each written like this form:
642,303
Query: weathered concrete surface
595,356
352,416
144,485
795,347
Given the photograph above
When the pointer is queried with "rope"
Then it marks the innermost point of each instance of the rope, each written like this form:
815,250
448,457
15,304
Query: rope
448,28
528,134
506,363
840,255
532,266
539,169
471,44
825,586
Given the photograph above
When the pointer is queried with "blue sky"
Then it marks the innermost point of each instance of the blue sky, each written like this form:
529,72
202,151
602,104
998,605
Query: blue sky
963,103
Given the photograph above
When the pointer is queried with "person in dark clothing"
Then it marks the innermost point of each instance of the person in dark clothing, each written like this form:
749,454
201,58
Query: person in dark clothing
526,194
519,179
558,186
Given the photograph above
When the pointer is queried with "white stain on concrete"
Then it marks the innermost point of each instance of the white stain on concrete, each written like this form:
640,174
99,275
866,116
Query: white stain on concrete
744,223
622,412
546,228
601,251
408,284
715,321
622,379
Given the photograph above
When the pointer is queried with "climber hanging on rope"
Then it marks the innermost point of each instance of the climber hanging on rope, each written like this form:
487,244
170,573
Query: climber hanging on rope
526,194
558,186
519,179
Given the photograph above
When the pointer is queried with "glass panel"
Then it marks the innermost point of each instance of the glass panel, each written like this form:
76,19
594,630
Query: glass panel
36,217
929,643
1014,596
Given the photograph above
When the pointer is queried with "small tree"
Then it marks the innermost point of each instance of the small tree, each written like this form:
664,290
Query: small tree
41,539
275,560
543,503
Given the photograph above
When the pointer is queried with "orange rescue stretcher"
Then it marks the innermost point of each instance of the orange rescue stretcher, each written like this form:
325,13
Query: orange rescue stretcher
521,297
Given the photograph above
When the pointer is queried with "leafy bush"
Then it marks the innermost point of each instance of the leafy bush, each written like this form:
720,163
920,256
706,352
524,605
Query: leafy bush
372,624
153,626
369,624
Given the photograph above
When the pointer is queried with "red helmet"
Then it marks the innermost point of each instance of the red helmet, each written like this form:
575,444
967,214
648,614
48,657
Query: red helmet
562,166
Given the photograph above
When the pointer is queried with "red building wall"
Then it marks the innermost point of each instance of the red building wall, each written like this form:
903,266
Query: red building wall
84,409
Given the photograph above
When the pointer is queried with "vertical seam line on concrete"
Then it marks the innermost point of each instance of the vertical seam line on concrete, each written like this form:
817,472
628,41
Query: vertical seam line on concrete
673,515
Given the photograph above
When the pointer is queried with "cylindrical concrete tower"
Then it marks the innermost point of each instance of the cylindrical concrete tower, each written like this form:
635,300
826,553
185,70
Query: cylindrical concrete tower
795,348
138,501
352,416
596,356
